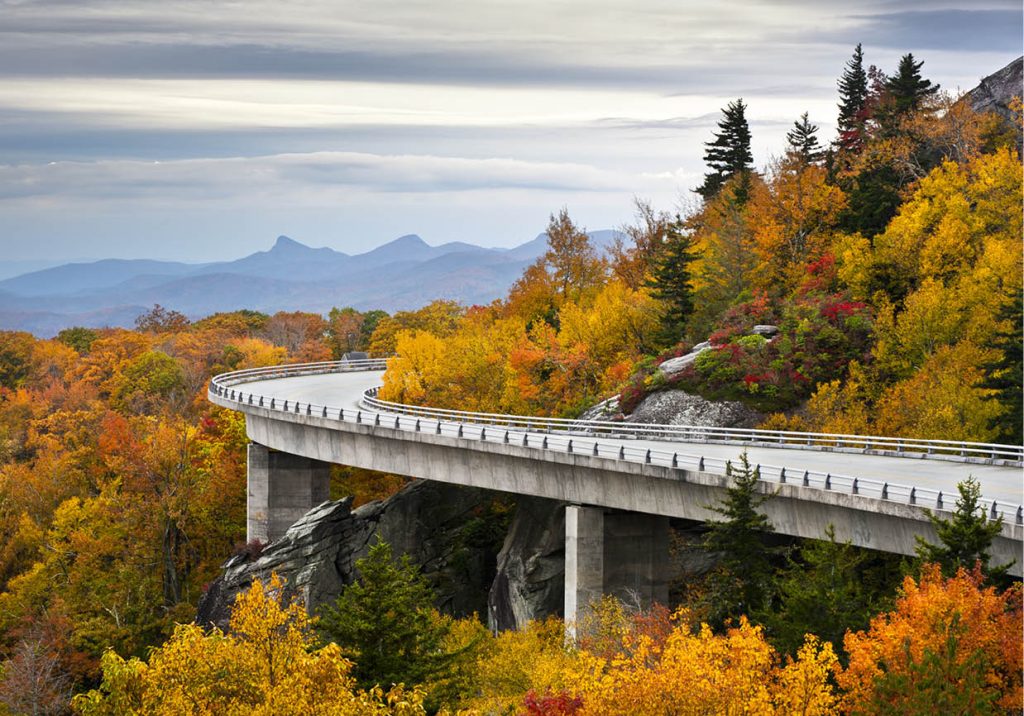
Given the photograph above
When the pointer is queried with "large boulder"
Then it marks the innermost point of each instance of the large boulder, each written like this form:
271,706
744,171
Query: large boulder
676,365
530,578
677,407
443,528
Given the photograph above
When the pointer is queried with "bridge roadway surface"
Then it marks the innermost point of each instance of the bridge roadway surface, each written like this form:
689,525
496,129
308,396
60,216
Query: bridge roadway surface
345,390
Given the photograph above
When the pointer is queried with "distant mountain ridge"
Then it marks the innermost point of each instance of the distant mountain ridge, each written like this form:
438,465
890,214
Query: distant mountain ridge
402,274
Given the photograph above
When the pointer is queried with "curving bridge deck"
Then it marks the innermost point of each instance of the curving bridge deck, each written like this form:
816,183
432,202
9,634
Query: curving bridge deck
620,482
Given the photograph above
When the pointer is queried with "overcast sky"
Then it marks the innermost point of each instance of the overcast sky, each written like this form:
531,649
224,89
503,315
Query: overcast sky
199,130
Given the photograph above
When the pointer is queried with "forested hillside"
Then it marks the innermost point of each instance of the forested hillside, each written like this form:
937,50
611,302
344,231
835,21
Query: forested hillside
888,259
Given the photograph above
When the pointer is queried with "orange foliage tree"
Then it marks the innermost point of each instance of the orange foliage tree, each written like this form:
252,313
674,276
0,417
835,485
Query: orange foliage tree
948,646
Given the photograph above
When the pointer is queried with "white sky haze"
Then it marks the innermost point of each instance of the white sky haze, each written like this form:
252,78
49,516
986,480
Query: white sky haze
200,130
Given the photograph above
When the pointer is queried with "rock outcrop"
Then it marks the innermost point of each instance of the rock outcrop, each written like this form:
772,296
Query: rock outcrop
443,528
530,577
676,365
677,407
995,92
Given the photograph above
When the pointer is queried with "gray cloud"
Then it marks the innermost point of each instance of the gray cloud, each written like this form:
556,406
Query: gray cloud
975,30
361,120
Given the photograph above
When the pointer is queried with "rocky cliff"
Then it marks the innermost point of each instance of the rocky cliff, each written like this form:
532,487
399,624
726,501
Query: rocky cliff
994,93
452,532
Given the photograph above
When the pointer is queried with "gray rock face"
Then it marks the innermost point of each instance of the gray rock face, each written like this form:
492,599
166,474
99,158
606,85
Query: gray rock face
676,365
994,92
677,407
765,330
530,578
430,521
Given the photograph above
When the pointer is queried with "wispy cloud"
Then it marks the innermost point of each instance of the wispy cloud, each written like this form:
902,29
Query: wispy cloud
216,119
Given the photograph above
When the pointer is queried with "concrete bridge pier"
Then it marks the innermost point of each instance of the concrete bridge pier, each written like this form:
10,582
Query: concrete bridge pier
620,553
281,488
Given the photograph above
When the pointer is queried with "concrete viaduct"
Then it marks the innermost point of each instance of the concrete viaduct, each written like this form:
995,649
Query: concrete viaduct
621,483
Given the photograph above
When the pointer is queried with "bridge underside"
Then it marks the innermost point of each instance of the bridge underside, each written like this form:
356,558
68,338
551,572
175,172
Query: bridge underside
616,519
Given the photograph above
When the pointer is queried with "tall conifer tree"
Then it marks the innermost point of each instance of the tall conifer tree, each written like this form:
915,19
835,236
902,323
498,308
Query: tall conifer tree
1005,375
853,97
670,283
907,88
803,141
728,155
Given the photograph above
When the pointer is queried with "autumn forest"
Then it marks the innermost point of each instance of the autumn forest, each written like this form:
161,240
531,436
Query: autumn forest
888,258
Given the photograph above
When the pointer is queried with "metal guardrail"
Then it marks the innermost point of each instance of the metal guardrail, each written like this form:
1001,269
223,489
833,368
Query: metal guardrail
581,437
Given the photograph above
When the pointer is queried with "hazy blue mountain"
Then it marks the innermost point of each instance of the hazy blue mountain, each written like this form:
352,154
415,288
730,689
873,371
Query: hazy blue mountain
71,278
17,267
402,274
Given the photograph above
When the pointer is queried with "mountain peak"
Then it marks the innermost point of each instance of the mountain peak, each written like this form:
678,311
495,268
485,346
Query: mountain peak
407,241
284,243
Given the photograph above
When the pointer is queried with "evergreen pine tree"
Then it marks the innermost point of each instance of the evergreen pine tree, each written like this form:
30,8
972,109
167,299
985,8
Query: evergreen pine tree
742,583
822,593
729,153
965,538
803,141
907,89
853,97
1004,376
385,623
670,283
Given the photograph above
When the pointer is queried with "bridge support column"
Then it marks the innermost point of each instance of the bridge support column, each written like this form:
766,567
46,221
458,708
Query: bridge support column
281,488
620,553
584,561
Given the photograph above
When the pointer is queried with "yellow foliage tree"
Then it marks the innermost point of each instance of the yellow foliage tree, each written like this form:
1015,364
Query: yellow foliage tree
267,664
699,672
943,400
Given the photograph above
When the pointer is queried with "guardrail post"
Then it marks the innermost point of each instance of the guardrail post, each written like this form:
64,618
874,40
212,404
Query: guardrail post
622,452
807,479
913,495
544,442
647,457
899,446
526,440
309,409
569,448
595,448
250,398
782,476
325,412
359,417
828,480
271,403
438,427
398,424
855,490
938,501
506,437
376,420
285,408
885,490
700,464
483,433
1020,515
460,430
675,459
993,513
